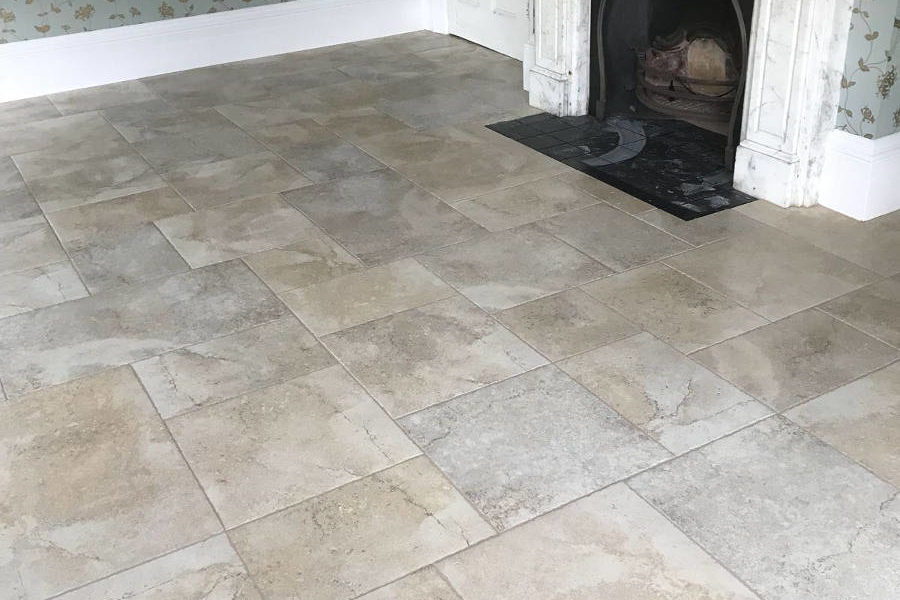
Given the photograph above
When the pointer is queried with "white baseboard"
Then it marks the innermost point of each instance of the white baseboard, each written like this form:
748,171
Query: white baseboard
67,62
861,177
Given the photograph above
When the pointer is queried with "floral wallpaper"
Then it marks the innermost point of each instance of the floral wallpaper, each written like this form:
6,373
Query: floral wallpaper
30,19
870,92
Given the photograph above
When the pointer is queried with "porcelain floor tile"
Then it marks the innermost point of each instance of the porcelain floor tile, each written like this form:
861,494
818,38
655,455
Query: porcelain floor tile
47,285
29,245
426,584
874,309
314,259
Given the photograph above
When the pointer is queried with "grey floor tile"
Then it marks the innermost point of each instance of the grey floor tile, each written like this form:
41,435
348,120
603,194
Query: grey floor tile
104,96
384,68
205,88
25,111
205,185
243,227
861,419
674,307
278,446
80,129
361,124
419,357
381,217
677,402
436,102
400,520
38,287
512,267
210,568
17,205
530,444
420,585
617,240
365,296
608,545
796,359
314,259
28,245
94,485
807,523
273,111
55,344
771,273
874,309
126,256
566,323
607,193
229,366
706,229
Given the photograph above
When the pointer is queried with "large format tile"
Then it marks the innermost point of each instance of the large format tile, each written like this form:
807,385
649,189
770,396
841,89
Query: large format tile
103,96
230,366
706,229
674,307
210,569
382,217
421,356
46,285
796,359
243,227
365,296
861,419
607,193
566,323
206,87
426,584
874,309
277,446
93,484
28,245
25,111
314,259
617,240
17,205
610,545
55,344
54,132
673,399
771,273
360,536
803,523
529,444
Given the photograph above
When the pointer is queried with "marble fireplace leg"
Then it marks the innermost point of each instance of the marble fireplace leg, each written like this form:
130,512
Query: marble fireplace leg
559,78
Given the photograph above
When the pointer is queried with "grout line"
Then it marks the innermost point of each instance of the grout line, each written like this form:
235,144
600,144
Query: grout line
819,308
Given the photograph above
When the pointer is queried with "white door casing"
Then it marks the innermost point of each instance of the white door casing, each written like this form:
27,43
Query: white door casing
501,25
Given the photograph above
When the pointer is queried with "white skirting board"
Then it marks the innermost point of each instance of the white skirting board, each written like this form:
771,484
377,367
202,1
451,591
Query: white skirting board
861,177
67,62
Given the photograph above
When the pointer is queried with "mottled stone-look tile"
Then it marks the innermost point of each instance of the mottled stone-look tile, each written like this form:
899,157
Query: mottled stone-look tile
272,111
27,290
213,184
674,307
230,366
771,273
55,344
314,259
706,229
206,87
426,584
566,323
17,205
381,217
243,227
361,536
511,267
422,356
126,256
861,419
28,245
673,399
875,309
360,124
524,204
103,96
365,296
275,447
796,359
54,132
24,111
617,240
803,522
93,485
610,545
529,444
607,193
384,68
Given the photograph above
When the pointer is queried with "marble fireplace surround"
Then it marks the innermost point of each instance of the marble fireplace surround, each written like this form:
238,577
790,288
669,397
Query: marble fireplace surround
797,50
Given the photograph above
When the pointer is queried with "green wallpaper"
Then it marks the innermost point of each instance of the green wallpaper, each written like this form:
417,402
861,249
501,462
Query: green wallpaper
30,19
870,93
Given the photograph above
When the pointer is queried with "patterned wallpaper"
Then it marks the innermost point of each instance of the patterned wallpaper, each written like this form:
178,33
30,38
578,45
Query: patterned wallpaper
870,92
29,19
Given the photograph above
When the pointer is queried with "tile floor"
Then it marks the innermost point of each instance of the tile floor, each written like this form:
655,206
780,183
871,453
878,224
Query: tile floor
301,327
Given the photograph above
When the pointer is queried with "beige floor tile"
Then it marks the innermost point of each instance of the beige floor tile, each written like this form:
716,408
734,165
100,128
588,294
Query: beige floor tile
210,569
426,584
272,111
104,96
94,484
422,356
607,193
365,296
243,227
360,536
230,366
771,273
38,287
861,419
314,259
673,399
206,87
361,124
17,205
275,447
26,111
798,358
608,545
566,323
28,245
508,268
703,230
54,132
673,307
875,309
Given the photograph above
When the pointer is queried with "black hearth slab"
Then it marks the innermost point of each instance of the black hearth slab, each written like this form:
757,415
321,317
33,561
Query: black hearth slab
540,141
545,123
